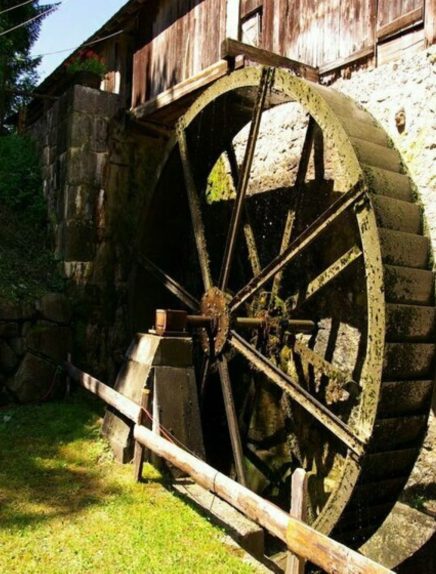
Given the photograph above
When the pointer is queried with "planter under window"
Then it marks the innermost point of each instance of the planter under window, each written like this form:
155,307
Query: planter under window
88,79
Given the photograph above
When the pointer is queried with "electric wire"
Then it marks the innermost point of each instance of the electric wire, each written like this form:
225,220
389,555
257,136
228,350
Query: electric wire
80,45
52,9
16,6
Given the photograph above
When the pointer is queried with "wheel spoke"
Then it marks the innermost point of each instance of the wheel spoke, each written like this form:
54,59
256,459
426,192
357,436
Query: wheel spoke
203,376
333,271
232,419
169,283
244,176
318,145
306,238
299,183
319,411
253,254
194,208
324,367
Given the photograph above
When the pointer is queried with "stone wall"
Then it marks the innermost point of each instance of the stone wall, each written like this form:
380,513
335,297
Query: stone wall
34,340
73,139
96,172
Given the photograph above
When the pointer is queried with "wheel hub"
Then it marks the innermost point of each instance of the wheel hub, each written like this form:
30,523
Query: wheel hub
214,305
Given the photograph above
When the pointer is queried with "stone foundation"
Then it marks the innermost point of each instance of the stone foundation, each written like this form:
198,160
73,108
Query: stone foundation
35,340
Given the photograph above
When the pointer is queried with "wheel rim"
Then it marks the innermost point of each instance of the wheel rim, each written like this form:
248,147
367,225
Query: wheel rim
351,428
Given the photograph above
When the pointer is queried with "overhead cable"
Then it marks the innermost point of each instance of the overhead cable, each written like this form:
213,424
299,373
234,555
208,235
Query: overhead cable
30,20
81,45
16,6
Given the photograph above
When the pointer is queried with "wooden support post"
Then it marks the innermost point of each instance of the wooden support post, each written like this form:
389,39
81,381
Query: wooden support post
303,540
295,564
430,22
140,451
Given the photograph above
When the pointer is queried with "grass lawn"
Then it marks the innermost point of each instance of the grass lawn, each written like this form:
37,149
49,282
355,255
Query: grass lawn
66,507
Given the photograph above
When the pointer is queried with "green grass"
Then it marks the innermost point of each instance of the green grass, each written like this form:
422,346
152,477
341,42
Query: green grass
66,507
27,267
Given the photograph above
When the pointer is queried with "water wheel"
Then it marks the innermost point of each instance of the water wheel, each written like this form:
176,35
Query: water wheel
319,295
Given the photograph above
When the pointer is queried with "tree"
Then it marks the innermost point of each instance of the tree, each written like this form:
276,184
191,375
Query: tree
17,67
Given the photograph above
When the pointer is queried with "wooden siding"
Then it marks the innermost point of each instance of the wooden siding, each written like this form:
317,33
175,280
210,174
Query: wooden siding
318,32
390,10
184,39
180,39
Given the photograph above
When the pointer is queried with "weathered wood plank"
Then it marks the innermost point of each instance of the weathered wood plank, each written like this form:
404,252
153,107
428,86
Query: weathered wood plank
139,452
342,62
395,48
295,564
430,22
181,90
250,6
412,17
391,10
231,48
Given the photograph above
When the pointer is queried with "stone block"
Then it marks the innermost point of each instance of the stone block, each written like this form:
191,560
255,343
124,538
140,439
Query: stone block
100,165
35,380
10,310
81,166
78,240
17,344
50,340
100,134
55,307
60,137
8,359
85,99
389,547
81,129
9,330
79,201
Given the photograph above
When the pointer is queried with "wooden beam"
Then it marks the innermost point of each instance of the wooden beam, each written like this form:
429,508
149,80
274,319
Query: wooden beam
351,59
232,48
303,540
299,504
397,46
139,451
412,17
331,556
181,90
233,19
430,22
125,406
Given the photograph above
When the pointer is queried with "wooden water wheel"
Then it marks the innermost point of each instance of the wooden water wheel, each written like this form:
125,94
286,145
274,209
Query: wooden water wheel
319,296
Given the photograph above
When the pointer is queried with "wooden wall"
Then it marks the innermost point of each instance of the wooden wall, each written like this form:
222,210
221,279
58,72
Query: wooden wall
184,38
178,39
390,10
318,31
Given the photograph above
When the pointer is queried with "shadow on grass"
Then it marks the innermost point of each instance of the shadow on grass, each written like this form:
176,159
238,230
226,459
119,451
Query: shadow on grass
51,461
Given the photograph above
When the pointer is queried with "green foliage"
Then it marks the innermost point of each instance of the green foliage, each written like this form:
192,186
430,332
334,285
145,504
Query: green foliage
28,269
20,178
86,61
67,507
17,67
